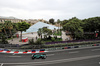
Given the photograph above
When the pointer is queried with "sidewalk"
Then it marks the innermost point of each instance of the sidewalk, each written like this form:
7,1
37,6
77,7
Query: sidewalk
29,36
16,41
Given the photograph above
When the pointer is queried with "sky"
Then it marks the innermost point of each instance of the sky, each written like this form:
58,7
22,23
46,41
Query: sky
47,9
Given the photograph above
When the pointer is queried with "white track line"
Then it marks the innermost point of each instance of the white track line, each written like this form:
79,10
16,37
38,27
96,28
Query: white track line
74,52
50,54
95,49
1,64
14,56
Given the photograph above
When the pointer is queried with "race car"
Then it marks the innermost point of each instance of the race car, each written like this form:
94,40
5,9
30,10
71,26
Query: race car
37,56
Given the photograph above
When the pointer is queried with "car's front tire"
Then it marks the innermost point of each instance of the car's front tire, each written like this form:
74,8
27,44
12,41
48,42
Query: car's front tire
44,57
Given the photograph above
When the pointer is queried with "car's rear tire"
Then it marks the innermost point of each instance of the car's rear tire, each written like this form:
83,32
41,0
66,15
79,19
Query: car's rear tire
33,57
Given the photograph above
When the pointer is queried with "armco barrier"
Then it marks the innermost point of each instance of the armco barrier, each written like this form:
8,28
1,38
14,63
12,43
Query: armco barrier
69,47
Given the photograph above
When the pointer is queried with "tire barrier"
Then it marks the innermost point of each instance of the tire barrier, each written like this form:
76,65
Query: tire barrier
25,52
96,45
76,46
66,48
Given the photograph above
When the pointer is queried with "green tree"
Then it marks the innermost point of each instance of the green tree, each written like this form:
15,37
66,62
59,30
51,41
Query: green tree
47,32
9,26
44,31
64,22
59,22
91,24
74,26
14,28
51,21
3,40
40,32
5,29
1,31
1,27
22,26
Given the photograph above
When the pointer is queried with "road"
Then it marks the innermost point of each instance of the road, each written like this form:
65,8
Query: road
76,57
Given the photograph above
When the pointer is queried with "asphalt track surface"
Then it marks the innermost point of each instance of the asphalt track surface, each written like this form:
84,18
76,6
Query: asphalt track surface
75,57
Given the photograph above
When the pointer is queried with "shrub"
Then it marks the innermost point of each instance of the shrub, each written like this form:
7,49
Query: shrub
53,39
4,40
39,42
31,41
49,38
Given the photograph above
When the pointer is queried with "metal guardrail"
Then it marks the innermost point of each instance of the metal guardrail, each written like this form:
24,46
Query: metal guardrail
69,47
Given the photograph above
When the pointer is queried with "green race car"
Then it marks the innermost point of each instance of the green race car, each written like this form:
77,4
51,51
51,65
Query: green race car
37,56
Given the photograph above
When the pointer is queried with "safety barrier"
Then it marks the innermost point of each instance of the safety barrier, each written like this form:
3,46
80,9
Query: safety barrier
70,47
24,52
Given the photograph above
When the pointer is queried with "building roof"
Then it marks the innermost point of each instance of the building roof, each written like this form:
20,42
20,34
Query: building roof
35,27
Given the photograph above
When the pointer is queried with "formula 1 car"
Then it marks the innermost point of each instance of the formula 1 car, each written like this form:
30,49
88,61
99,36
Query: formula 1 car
37,56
